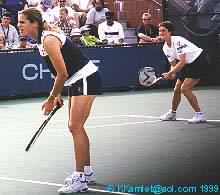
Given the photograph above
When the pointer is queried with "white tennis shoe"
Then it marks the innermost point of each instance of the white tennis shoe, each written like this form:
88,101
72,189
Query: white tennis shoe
77,183
169,116
90,178
199,117
89,175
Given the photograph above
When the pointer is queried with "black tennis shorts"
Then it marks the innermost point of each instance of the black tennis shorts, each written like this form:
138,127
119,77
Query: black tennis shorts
92,86
195,70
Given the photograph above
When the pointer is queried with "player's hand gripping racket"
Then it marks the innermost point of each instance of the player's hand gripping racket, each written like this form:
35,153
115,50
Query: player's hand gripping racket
39,131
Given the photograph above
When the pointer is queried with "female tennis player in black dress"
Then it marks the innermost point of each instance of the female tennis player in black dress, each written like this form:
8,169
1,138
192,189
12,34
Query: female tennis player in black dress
70,68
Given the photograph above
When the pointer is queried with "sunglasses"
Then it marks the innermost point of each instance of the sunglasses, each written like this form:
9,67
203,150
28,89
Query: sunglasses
146,19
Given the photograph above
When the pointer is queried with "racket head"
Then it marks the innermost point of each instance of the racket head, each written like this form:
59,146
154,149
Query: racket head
146,76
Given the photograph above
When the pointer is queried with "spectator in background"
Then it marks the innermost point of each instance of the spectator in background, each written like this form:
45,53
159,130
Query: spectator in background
72,15
2,41
32,3
64,23
76,36
9,31
82,7
46,11
87,39
96,16
147,32
110,31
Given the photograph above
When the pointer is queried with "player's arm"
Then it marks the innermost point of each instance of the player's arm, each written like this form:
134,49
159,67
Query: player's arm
175,67
52,45
144,37
178,66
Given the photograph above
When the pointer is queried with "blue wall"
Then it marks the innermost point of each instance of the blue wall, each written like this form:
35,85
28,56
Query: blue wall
24,73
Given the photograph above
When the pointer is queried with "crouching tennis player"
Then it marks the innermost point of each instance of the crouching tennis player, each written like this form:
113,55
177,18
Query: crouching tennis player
189,62
71,68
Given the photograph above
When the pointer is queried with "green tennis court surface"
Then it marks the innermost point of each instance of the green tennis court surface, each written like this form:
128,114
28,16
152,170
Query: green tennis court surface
129,144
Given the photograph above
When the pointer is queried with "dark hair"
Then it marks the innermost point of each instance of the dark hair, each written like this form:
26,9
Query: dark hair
7,14
102,2
34,15
109,14
168,25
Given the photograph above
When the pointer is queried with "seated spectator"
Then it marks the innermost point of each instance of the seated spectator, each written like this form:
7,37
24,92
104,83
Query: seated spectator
147,32
110,31
2,42
82,7
96,15
9,31
64,23
32,3
87,39
76,36
46,11
71,13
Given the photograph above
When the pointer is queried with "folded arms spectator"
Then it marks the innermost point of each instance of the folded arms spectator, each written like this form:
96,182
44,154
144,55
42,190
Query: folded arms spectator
147,32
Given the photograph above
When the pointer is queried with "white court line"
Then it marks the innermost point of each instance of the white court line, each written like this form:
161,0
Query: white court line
145,116
122,124
57,185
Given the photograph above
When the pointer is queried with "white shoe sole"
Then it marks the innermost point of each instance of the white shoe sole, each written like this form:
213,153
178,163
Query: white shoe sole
197,122
79,191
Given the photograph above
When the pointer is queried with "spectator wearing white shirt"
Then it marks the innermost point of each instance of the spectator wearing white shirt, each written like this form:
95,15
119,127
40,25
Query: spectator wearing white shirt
46,11
82,7
96,15
72,14
111,32
33,3
9,31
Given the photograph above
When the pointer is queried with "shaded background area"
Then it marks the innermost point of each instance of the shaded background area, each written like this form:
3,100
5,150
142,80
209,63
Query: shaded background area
198,21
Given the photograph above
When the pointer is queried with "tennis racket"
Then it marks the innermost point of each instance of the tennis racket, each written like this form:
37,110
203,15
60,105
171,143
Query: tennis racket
39,131
156,80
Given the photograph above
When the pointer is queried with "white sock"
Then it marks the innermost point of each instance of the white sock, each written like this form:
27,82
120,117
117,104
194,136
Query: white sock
78,173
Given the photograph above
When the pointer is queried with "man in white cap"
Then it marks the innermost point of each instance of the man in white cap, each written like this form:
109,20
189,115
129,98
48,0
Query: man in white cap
75,36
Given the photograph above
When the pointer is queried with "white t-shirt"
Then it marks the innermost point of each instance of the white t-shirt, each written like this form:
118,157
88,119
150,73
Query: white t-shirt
96,18
48,15
33,3
111,33
179,46
83,4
